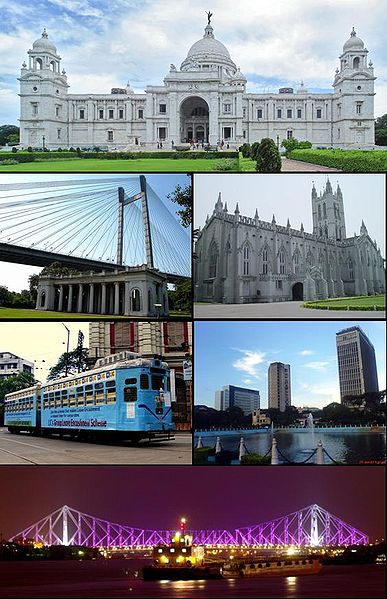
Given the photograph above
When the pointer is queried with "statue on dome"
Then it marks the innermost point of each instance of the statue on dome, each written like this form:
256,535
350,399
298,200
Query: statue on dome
209,15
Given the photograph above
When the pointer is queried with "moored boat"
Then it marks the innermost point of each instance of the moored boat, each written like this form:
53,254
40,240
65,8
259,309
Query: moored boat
280,567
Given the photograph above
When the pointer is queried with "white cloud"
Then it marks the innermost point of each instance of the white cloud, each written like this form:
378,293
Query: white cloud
306,352
316,365
250,361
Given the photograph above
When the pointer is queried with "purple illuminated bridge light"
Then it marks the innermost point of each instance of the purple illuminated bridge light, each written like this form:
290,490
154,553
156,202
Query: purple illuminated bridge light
310,526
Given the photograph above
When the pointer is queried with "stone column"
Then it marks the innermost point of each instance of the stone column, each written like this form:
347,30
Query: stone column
80,297
103,298
70,298
213,119
60,303
91,298
127,299
116,298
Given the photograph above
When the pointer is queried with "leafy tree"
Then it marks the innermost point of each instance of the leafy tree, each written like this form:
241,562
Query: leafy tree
14,383
268,157
55,268
71,362
4,296
181,297
9,134
245,150
183,197
381,131
254,149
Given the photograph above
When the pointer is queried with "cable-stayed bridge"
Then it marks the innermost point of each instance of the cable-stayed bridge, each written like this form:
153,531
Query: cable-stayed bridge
311,526
92,223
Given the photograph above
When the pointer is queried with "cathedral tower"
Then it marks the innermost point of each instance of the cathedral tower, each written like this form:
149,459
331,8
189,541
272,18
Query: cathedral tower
328,213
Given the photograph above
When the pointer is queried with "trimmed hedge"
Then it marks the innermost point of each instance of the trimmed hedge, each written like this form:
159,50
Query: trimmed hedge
169,154
343,308
253,459
352,161
19,157
201,455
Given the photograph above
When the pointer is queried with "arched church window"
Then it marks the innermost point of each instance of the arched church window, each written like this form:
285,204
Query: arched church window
356,62
52,66
264,261
135,300
350,269
213,261
326,231
320,231
319,212
246,260
282,262
324,210
38,64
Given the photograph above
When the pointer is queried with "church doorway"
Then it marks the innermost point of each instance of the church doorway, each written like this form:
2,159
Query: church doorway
298,292
194,120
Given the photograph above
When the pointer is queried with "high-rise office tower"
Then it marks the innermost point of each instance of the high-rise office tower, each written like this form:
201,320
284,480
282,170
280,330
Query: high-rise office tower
356,362
230,396
279,392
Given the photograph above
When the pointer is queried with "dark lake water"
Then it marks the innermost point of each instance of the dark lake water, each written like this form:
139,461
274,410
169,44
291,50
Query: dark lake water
350,447
110,579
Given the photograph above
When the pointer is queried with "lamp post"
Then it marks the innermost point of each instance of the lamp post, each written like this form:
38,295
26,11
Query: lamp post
67,349
44,142
158,308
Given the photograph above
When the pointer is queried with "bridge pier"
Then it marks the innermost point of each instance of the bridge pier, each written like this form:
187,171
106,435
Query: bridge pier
70,299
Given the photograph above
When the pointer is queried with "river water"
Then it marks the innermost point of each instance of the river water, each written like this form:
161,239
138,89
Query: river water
112,578
350,447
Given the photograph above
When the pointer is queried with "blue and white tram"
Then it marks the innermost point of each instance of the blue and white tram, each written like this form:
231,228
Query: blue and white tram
22,409
128,399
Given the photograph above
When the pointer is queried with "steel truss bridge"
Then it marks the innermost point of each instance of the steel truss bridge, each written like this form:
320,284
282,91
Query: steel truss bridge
99,223
310,526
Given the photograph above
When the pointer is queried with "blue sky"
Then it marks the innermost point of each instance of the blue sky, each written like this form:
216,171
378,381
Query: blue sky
104,44
239,353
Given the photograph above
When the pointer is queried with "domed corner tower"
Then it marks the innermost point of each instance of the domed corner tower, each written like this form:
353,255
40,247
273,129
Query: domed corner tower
353,108
43,98
204,95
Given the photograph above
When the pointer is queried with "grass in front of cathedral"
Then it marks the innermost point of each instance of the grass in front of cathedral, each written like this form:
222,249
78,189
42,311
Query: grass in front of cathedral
24,313
366,302
141,165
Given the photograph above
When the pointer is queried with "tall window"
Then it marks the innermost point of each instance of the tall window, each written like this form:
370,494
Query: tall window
100,113
81,113
227,108
110,135
135,300
319,113
213,260
289,134
319,212
140,113
111,113
279,113
264,262
358,107
299,113
246,260
324,210
282,263
350,269
259,113
121,113
163,108
289,113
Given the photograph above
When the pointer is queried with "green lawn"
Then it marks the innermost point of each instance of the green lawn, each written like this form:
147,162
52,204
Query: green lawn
142,165
10,313
246,164
366,302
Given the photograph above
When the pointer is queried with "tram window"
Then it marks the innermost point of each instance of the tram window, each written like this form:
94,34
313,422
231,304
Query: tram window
130,393
267,564
98,386
157,382
110,384
89,388
132,381
259,565
303,562
79,389
144,381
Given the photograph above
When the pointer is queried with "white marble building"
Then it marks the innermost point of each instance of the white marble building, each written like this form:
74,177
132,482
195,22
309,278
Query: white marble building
240,259
204,100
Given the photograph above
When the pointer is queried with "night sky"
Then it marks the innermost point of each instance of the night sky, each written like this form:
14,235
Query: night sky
210,497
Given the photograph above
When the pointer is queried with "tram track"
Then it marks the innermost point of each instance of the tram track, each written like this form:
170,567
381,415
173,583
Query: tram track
20,457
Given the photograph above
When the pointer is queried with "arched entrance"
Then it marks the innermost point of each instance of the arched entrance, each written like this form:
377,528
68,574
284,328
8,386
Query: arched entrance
194,120
298,291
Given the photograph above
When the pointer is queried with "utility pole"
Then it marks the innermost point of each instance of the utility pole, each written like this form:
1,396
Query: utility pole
67,350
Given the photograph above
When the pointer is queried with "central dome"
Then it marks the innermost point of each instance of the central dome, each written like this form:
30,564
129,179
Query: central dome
43,44
208,52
